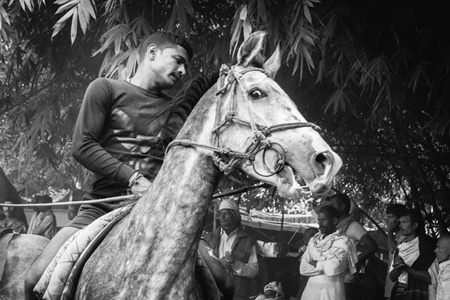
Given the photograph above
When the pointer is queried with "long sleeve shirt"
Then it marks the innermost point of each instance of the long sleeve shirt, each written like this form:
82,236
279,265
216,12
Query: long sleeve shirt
118,131
45,225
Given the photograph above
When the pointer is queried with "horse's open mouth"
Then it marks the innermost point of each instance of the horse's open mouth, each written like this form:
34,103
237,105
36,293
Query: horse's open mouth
292,184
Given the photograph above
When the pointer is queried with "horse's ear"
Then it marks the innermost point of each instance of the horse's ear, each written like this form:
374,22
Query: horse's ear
250,51
273,63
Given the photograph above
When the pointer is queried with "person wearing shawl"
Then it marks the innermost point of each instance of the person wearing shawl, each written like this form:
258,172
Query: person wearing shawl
328,257
412,260
365,245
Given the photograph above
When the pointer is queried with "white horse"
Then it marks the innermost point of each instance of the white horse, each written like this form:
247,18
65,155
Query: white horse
244,122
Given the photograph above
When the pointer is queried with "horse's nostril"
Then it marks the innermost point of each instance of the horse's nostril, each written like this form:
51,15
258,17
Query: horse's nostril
322,158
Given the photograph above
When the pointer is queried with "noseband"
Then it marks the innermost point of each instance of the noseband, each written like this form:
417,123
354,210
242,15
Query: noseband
257,142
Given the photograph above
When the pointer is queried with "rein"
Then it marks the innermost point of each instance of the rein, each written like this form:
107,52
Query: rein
257,142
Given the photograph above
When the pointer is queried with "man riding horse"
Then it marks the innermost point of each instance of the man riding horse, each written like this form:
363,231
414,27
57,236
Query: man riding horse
117,134
245,122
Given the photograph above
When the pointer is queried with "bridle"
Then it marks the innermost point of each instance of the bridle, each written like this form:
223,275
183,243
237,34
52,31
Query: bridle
256,143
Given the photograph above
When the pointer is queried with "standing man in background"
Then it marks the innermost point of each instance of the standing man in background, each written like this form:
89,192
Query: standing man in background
365,245
393,214
327,259
412,259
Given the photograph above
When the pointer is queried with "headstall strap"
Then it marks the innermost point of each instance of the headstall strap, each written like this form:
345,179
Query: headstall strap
256,143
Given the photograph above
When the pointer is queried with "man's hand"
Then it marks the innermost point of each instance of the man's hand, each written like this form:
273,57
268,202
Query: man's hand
140,186
393,226
398,263
227,261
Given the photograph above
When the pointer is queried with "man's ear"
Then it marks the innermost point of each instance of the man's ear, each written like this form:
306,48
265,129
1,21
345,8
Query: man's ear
415,225
335,221
151,50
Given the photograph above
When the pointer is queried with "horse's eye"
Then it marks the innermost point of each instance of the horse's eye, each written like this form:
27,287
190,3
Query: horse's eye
256,94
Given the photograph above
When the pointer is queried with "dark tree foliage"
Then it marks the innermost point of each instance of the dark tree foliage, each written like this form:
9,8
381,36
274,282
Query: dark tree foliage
373,74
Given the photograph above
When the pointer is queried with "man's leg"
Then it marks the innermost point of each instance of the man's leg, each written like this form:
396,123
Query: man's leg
41,263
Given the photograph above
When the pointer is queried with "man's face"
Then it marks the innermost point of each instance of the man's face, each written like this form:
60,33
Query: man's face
327,225
407,228
8,211
443,249
169,66
227,220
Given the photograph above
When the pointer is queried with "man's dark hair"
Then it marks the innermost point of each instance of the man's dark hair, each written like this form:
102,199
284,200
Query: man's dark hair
415,217
342,199
396,209
330,211
45,199
163,40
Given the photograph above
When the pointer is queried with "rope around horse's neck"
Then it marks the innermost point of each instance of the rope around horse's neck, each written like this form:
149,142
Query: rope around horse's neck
111,199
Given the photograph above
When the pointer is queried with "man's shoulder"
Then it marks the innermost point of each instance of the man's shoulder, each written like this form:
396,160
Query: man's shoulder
109,83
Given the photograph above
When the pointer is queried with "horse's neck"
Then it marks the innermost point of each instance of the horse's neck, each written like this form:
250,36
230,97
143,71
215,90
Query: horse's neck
178,199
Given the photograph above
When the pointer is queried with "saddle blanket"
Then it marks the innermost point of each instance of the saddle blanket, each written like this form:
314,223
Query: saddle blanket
56,282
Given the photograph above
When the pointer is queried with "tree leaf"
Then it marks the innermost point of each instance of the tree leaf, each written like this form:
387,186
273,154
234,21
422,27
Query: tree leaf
74,28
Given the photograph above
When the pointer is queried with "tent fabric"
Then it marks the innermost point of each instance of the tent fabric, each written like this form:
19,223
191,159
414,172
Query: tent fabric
290,222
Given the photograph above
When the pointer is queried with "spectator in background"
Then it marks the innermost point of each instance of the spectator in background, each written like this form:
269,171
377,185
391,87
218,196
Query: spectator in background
441,277
37,211
307,235
393,213
365,245
235,249
45,222
272,291
10,220
412,259
328,257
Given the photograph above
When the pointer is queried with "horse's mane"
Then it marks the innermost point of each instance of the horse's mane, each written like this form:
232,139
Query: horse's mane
179,108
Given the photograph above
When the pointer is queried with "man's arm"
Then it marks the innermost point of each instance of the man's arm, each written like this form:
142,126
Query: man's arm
392,243
249,269
336,262
87,133
43,226
357,232
308,265
370,248
400,266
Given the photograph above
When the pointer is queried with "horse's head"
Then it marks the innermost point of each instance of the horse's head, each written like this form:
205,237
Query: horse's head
273,141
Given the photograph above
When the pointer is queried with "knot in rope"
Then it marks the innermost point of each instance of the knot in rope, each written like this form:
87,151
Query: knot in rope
264,130
223,73
260,136
229,117
222,165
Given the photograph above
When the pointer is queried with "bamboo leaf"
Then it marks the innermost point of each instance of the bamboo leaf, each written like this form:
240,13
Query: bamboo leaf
307,14
61,22
74,28
67,5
